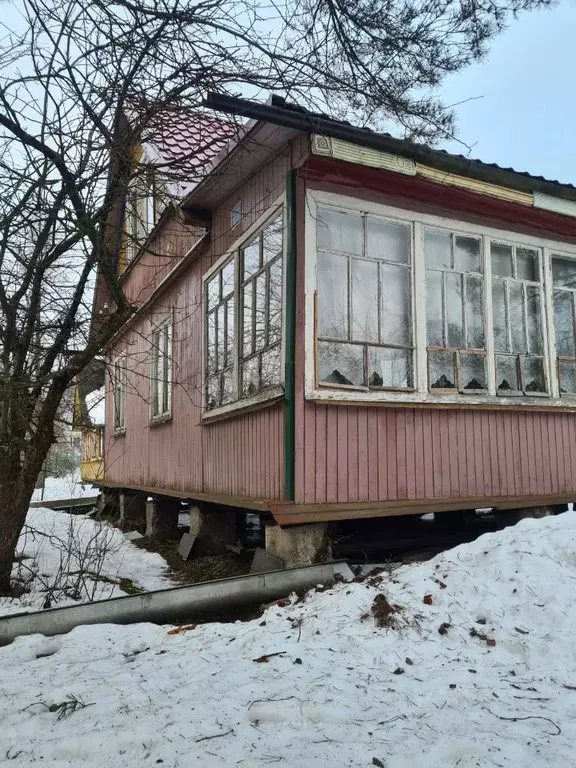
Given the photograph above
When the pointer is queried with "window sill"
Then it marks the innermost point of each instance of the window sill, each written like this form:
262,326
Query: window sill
327,395
252,403
161,419
119,432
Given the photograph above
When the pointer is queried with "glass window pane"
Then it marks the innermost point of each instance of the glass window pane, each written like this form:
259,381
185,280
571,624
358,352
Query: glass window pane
516,317
230,331
437,249
474,312
211,344
441,370
364,300
260,318
567,373
434,311
275,303
507,374
501,259
534,318
251,376
227,279
220,337
534,380
387,240
467,254
271,368
390,368
396,322
499,316
454,310
564,271
248,321
251,259
527,264
213,393
332,296
337,231
228,388
564,324
213,291
472,372
272,240
341,363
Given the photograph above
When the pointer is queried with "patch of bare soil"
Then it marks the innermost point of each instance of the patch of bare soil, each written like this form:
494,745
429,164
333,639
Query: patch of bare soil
385,613
199,569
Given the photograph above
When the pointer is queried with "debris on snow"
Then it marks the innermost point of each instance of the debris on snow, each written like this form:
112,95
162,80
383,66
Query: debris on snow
197,698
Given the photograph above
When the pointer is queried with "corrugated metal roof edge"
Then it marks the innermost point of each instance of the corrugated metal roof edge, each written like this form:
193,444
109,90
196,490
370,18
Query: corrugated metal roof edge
282,113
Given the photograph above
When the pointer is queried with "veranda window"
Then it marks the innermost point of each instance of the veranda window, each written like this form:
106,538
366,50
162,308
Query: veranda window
220,341
243,304
454,312
364,301
407,306
517,304
564,299
261,305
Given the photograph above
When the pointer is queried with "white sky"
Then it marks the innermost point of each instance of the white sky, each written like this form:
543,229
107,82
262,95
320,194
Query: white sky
526,115
522,113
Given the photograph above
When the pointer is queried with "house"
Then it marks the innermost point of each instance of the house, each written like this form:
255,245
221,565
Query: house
337,324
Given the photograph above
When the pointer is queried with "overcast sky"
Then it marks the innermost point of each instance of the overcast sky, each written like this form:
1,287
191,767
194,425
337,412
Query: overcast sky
526,117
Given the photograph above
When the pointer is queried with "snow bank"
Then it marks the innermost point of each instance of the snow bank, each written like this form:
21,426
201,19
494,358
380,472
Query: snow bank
56,547
315,682
67,487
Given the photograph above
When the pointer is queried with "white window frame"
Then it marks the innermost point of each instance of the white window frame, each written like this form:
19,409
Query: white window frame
421,395
119,387
161,388
141,210
233,252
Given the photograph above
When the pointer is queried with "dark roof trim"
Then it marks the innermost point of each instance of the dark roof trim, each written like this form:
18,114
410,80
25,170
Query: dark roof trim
291,116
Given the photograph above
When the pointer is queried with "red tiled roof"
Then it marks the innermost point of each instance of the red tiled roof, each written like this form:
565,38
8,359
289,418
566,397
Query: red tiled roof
185,143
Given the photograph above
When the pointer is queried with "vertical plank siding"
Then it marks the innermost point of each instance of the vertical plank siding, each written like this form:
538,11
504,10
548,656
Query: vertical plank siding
242,455
425,453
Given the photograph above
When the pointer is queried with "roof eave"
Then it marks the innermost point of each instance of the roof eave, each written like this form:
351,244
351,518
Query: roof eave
299,120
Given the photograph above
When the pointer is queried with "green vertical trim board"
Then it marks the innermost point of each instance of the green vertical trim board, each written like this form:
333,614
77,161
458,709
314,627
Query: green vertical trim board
290,341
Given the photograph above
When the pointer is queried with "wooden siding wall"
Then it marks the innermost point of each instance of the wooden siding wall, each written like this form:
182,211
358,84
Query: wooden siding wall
350,453
242,455
170,244
347,453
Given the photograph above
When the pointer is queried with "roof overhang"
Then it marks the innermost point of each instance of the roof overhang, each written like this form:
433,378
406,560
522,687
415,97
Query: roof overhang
297,120
261,143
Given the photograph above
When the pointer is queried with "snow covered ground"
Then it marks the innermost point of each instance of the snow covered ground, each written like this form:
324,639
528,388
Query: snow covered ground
475,668
70,558
68,487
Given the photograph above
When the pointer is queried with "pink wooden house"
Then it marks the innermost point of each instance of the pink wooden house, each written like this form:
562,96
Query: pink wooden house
336,324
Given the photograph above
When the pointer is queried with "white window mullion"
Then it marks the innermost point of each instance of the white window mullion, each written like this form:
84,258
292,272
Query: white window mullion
238,331
419,310
488,317
548,328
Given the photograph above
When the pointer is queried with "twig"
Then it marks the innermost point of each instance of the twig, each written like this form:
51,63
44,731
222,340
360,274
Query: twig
216,736
527,717
262,701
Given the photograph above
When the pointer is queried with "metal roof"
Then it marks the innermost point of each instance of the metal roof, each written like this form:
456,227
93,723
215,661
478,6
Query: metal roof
281,112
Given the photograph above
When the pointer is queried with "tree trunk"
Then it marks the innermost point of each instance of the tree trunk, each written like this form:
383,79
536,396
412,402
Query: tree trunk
13,512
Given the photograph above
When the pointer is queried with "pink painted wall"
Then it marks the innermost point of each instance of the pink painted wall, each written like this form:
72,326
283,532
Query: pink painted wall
242,455
347,453
170,244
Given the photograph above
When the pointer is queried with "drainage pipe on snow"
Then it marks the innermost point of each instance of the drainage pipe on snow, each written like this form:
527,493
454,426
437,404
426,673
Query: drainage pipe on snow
175,603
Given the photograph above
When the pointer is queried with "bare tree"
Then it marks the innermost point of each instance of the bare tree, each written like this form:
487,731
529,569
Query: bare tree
81,84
